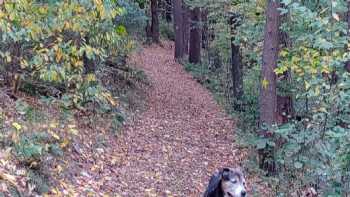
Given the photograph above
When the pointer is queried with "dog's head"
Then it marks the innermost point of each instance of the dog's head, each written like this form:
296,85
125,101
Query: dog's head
233,183
227,182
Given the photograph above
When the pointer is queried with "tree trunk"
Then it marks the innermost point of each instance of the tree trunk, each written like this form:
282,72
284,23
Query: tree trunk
205,41
186,26
179,29
347,66
195,37
268,93
168,11
148,30
236,64
155,21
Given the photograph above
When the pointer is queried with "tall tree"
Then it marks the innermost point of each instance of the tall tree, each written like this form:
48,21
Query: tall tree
268,93
205,29
179,29
347,66
168,11
186,26
236,63
155,21
195,36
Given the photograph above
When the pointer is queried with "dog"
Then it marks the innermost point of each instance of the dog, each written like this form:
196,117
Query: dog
227,182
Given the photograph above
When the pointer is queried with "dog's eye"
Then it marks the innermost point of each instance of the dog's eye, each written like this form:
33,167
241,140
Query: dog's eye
234,181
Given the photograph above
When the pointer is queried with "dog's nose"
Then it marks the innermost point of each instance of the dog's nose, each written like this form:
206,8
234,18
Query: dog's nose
243,193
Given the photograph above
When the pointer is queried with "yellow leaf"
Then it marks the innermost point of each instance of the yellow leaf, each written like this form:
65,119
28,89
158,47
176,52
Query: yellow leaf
42,10
78,63
307,85
8,58
73,131
317,91
53,125
64,143
55,191
24,64
98,2
17,126
322,109
59,55
325,70
90,77
54,135
2,15
265,83
67,25
71,126
8,177
59,169
284,53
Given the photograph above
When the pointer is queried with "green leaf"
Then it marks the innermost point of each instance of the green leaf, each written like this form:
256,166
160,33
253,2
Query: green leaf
298,165
261,143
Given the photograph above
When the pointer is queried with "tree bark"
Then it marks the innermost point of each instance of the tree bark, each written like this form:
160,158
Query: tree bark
179,29
155,21
168,11
347,65
148,30
268,93
236,64
205,41
195,37
186,26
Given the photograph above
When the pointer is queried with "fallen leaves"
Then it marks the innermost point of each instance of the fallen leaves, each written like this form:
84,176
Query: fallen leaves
170,150
7,177
173,147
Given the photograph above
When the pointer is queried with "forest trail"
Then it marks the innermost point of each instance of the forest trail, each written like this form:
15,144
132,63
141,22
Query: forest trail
173,147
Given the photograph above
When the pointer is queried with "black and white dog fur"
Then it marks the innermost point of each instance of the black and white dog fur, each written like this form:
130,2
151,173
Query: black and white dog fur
227,182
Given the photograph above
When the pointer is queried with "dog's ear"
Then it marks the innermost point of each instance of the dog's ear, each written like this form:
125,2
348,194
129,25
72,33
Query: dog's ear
214,184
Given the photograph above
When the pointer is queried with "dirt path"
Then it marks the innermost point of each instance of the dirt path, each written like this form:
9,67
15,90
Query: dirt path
177,143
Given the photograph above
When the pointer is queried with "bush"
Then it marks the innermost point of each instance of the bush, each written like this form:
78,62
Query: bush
53,45
133,18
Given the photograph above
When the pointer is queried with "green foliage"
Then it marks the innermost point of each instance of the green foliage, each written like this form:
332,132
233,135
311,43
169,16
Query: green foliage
57,42
311,149
32,147
314,145
133,18
30,113
117,122
39,181
167,30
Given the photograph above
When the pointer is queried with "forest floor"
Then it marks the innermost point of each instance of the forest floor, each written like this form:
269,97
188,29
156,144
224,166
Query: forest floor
174,146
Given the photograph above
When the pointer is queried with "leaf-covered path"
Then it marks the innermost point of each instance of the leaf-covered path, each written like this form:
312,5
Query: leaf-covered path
173,147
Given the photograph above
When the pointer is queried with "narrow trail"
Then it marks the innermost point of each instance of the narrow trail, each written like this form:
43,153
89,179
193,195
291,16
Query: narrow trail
173,147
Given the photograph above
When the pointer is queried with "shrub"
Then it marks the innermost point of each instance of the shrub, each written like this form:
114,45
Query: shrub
52,45
133,18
